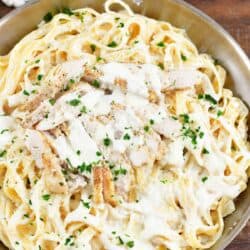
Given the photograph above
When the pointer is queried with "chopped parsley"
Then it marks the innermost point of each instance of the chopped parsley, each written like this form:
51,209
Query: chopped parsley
86,204
201,134
185,118
37,61
130,244
52,101
183,58
46,197
146,128
3,131
121,25
39,77
85,167
164,181
220,113
216,62
161,44
120,241
3,153
78,152
93,47
67,11
161,66
69,162
112,44
188,132
204,179
25,92
98,59
67,87
74,102
83,110
48,17
96,83
126,137
205,151
208,98
98,153
118,172
68,241
107,141
152,122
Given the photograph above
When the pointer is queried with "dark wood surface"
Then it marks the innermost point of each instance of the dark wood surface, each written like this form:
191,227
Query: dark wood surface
234,16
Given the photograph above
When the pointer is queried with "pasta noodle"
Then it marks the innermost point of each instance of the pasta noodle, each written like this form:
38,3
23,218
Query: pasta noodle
116,133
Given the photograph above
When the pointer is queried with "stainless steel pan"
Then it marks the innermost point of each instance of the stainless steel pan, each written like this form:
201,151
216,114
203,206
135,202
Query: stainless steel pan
205,33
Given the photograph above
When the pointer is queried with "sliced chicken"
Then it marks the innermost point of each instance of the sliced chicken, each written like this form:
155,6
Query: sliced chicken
103,186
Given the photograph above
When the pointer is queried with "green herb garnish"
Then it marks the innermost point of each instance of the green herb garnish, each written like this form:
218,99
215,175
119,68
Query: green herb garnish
205,151
209,98
204,179
220,113
85,168
120,241
161,66
112,44
161,44
98,59
46,197
3,153
93,47
39,77
164,181
83,110
86,204
74,102
126,137
96,83
48,17
98,153
121,25
152,122
146,128
67,11
107,141
25,92
52,101
185,118
130,244
183,58
3,131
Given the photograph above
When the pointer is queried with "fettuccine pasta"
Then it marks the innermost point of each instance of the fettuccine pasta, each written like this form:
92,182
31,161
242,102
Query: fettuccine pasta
116,133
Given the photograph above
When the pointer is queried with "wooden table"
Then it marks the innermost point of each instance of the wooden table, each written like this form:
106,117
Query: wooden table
234,16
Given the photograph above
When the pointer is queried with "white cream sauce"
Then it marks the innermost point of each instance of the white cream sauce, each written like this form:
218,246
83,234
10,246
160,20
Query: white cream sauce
133,127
